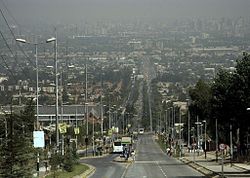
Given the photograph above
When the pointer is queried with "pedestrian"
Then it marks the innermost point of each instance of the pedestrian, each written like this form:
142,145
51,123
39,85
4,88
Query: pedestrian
171,151
168,151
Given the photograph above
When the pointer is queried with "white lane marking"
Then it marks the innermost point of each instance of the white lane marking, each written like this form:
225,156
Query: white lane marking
161,169
125,171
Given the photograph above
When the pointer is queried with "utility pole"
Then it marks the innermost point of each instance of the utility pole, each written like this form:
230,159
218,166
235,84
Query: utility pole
61,111
205,122
150,111
180,133
188,112
76,127
37,102
216,139
109,117
93,135
174,115
56,83
101,117
86,98
172,134
101,104
123,121
166,122
231,143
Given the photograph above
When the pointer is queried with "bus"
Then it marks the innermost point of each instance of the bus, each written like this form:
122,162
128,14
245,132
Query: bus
141,130
117,146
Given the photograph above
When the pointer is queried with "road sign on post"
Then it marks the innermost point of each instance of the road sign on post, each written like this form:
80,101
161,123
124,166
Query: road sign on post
38,139
222,146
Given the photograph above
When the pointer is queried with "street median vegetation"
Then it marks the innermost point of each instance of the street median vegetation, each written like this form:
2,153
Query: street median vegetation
78,169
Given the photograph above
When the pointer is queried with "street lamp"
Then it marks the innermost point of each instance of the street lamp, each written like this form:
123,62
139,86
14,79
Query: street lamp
188,113
37,101
101,116
93,135
54,39
166,121
37,88
87,120
198,133
205,122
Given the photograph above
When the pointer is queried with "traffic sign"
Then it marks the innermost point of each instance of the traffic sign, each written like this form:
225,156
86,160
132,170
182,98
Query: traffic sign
222,146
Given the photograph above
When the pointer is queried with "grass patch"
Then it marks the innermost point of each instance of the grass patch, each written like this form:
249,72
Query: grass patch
78,169
162,145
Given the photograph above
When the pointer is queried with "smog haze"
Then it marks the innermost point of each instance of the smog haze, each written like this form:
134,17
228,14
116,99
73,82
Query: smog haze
65,11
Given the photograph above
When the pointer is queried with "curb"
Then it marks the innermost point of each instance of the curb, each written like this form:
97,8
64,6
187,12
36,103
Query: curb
207,172
91,157
122,160
87,173
240,168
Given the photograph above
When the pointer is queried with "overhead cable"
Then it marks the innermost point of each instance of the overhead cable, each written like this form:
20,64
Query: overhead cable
13,35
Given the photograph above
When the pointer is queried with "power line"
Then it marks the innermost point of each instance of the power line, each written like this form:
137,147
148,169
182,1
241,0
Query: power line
4,5
7,67
7,45
13,35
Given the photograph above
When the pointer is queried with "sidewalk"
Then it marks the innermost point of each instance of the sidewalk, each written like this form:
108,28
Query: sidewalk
211,168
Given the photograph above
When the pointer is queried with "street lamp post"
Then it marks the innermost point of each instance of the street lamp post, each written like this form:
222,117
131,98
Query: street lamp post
101,117
198,133
109,112
93,135
188,112
54,39
123,122
193,142
172,121
37,90
169,121
205,122
101,103
87,120
166,122
216,139
37,87
37,102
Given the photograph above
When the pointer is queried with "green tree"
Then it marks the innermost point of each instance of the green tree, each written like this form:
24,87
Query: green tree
222,105
201,97
231,98
16,150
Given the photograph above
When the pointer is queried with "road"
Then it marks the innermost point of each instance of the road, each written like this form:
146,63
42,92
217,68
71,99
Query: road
150,162
106,167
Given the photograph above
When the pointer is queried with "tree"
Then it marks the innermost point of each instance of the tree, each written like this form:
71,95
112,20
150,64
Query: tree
200,96
231,98
16,150
221,102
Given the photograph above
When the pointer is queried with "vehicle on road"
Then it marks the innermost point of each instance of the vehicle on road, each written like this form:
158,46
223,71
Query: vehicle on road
117,146
141,130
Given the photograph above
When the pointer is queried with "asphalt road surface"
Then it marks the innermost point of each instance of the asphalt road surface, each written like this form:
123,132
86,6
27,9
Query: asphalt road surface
150,162
106,167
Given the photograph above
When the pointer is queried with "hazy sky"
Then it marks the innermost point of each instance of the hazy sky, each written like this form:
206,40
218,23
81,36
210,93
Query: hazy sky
78,10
